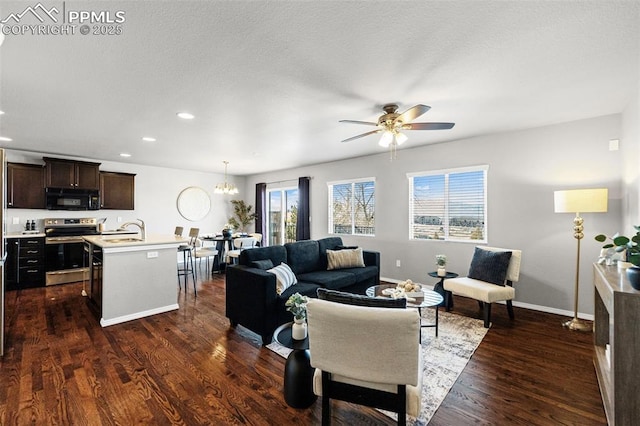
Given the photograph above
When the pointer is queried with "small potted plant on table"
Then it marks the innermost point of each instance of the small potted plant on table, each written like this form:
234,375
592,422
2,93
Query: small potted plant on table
297,305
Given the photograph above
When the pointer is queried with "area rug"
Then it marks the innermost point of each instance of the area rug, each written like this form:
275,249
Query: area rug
444,357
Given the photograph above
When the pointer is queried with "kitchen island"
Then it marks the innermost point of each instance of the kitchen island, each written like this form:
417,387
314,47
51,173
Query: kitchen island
131,278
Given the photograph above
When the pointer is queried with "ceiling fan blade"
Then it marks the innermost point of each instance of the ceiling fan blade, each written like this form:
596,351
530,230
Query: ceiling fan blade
362,135
368,123
413,113
428,126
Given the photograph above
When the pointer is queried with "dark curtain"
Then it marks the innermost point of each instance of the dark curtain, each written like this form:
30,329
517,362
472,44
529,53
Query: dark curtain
261,212
303,225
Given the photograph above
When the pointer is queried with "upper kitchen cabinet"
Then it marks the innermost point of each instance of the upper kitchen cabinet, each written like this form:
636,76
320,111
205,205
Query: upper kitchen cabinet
117,190
71,174
25,186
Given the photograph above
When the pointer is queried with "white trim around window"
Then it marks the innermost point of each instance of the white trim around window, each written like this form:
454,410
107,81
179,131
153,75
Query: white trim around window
449,204
351,207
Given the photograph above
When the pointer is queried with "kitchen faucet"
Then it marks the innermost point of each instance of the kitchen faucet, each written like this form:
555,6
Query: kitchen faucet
139,225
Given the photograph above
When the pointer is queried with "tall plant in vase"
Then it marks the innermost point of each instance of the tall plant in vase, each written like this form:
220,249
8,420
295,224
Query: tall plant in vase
243,215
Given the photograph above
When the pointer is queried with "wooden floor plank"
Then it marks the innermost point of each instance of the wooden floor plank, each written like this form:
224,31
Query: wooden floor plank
189,367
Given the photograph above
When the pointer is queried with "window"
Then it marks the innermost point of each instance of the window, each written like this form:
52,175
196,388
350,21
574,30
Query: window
448,205
352,207
282,228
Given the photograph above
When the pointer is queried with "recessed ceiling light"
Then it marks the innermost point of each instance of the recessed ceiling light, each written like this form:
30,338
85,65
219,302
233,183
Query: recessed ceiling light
4,139
1,112
185,115
148,139
124,154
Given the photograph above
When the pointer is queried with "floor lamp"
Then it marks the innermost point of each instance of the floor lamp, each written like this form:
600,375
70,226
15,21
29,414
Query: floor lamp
579,201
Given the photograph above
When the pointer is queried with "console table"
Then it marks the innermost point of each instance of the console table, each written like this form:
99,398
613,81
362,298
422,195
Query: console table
617,344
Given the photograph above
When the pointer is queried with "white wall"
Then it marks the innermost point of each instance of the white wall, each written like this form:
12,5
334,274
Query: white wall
630,148
525,167
156,194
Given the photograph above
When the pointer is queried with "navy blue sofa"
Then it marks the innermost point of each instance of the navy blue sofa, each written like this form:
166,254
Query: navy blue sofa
251,297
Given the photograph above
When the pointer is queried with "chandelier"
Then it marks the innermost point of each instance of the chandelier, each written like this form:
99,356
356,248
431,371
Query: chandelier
226,187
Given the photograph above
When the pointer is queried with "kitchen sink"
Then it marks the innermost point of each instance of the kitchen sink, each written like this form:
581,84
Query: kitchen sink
123,240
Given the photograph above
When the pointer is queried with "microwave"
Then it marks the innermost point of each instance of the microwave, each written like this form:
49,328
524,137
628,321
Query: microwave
72,199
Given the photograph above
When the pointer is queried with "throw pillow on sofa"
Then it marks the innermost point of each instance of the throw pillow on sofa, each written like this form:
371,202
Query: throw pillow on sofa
339,259
285,277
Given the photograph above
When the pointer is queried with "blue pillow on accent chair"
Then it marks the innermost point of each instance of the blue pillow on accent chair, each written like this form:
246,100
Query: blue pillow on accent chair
489,266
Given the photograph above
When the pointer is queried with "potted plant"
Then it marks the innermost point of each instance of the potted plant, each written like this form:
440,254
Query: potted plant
441,262
297,305
622,243
243,215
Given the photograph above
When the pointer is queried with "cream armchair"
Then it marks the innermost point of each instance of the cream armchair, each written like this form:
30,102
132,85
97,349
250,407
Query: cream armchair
490,279
365,355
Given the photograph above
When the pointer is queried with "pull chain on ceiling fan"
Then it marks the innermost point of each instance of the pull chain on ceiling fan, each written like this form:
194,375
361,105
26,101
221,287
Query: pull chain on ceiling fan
391,124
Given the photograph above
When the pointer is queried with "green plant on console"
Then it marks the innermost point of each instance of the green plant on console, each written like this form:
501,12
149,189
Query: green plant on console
621,243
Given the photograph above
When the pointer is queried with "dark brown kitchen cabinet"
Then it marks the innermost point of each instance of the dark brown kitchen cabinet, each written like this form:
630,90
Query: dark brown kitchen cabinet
25,186
117,191
24,267
71,174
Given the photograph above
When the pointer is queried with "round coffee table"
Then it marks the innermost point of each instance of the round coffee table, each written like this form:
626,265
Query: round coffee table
428,299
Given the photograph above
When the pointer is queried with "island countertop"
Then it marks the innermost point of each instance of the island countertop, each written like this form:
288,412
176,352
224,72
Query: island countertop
113,245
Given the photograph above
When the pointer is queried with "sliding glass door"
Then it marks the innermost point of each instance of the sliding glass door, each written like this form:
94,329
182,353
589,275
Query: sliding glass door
282,227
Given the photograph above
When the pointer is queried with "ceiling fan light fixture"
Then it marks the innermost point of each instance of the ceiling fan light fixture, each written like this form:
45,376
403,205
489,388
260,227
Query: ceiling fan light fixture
386,139
226,187
400,138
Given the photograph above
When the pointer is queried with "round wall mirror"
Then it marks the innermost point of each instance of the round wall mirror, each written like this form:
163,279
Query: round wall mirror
194,203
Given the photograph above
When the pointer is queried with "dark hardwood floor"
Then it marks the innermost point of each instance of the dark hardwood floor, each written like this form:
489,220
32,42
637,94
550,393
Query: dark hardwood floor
188,367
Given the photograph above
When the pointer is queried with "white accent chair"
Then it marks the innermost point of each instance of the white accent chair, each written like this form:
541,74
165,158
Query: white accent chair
365,355
487,293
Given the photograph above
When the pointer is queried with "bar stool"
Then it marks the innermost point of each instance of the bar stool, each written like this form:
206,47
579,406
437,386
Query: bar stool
187,259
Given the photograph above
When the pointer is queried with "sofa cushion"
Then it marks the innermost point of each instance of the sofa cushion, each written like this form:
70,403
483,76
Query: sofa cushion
285,277
489,266
277,255
262,264
363,274
304,288
340,259
303,256
324,244
333,280
360,300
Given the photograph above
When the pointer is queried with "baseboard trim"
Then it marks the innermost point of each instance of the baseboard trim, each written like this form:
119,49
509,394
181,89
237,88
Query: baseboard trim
138,315
540,308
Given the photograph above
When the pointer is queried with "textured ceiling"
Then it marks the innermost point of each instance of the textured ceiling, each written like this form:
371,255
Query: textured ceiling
269,80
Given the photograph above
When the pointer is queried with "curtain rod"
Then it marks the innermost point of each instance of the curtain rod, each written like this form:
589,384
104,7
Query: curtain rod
286,180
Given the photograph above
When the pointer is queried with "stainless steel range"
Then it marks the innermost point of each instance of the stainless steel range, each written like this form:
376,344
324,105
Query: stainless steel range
65,259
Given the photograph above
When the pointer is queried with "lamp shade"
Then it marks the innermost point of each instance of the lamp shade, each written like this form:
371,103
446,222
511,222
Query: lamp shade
581,200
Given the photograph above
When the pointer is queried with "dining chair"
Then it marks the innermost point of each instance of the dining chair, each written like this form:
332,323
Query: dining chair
240,244
202,252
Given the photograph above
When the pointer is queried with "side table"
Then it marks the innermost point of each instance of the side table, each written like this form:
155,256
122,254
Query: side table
439,287
298,373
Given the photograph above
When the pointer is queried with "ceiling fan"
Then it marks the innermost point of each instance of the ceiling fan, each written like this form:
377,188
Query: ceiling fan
391,124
